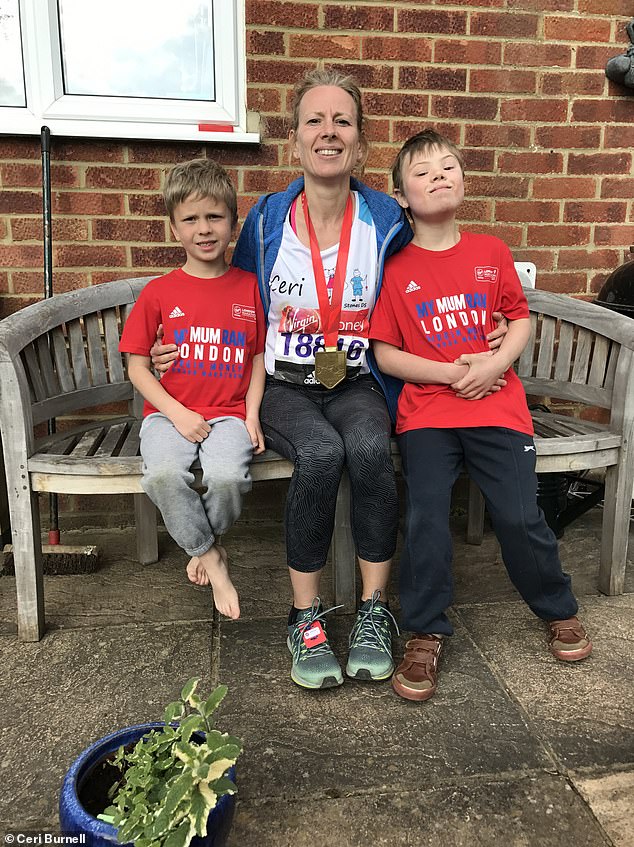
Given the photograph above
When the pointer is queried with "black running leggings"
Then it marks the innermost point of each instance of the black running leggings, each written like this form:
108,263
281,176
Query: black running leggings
320,431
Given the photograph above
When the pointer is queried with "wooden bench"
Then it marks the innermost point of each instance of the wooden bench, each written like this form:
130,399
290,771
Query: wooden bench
60,358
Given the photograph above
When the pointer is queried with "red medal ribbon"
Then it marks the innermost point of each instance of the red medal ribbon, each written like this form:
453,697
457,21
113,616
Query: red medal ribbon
330,312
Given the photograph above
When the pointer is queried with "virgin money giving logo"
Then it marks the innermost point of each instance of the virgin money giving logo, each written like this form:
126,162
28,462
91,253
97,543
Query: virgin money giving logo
245,313
486,274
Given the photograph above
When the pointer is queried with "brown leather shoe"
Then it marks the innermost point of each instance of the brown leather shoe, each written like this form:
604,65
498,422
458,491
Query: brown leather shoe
416,678
568,640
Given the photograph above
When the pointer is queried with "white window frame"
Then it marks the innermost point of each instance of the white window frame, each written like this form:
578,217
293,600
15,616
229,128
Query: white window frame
224,120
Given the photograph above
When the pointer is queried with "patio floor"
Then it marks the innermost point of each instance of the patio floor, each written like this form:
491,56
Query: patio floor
515,748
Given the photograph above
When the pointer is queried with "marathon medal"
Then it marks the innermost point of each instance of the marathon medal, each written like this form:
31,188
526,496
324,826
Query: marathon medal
330,363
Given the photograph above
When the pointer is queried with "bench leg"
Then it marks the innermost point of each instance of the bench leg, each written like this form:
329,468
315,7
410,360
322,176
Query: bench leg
343,552
475,515
27,559
615,530
146,531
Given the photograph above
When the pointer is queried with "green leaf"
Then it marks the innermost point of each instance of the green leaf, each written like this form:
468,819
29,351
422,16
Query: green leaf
199,811
177,792
191,724
181,836
224,786
173,712
189,688
214,700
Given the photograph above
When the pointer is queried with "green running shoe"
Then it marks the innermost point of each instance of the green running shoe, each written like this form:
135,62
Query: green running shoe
314,663
370,654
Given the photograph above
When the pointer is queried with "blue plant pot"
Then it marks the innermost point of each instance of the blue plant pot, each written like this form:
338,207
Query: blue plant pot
75,820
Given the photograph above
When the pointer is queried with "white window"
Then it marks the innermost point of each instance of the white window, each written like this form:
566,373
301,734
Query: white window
160,69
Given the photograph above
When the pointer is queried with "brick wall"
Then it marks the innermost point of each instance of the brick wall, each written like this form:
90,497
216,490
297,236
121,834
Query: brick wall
520,84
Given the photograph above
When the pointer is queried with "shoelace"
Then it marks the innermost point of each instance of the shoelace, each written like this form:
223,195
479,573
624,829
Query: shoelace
370,632
299,647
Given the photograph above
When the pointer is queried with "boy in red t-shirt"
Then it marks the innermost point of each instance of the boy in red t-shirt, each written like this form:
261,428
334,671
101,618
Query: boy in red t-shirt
207,405
461,404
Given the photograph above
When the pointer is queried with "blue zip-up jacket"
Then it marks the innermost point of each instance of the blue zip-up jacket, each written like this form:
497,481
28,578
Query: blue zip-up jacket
261,237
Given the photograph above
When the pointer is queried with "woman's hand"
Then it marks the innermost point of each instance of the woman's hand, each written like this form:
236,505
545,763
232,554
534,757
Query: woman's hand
496,337
163,354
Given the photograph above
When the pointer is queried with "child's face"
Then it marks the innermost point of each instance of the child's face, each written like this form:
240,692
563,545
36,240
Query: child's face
203,226
432,185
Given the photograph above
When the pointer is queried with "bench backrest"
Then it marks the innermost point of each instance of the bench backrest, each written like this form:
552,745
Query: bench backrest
61,355
579,352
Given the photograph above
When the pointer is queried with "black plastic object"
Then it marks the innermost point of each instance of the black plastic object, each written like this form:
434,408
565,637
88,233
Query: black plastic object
618,290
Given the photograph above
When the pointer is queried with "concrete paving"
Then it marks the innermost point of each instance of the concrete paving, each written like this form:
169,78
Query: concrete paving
515,748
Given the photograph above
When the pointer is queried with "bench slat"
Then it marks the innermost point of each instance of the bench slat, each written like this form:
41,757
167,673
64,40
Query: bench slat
582,356
62,367
111,336
546,345
32,368
94,342
564,352
51,382
111,443
78,354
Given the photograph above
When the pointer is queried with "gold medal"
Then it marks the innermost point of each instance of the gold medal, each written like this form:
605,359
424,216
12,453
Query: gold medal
330,367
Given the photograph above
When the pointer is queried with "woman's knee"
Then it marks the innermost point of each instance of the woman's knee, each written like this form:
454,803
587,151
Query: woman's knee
323,455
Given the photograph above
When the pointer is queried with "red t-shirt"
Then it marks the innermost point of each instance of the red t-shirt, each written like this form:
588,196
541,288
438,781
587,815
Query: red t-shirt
218,325
438,305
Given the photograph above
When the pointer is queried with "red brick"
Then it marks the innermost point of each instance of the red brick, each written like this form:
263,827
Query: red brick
426,21
353,16
32,283
583,259
580,29
531,163
261,99
464,52
563,283
614,235
392,48
606,7
265,180
432,79
599,163
588,137
128,230
379,103
476,210
498,185
367,76
157,257
276,126
379,182
560,235
511,235
573,82
164,153
515,82
505,24
381,156
377,130
276,70
324,46
497,135
266,42
562,186
79,256
62,229
242,155
86,203
402,130
540,110
595,211
19,147
24,256
523,211
77,150
479,160
602,111
4,282
10,305
476,108
3,228
275,13
538,55
544,259
149,205
17,175
619,136
618,187
122,178
543,5
13,202
594,57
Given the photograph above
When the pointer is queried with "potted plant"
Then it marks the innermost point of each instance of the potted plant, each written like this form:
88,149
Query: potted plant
158,784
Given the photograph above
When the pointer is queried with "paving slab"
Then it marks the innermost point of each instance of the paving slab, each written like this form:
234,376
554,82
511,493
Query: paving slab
517,812
583,710
70,689
361,735
611,800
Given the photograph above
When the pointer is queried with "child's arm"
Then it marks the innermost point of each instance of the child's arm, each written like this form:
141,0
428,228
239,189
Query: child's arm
412,368
191,425
485,371
253,400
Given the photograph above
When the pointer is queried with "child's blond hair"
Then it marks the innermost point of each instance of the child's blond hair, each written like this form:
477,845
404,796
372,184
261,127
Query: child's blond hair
199,178
422,142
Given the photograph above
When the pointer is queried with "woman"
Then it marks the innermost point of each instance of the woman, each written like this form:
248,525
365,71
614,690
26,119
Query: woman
318,250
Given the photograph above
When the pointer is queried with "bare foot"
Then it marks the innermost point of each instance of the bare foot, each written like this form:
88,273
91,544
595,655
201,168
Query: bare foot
196,572
215,562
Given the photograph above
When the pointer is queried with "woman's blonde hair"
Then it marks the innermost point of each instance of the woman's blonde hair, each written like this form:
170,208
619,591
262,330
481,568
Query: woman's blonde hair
327,76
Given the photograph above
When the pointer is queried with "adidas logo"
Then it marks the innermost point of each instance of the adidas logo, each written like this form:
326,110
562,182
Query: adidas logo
310,379
412,287
177,313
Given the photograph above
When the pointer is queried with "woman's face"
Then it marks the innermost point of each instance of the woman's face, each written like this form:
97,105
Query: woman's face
327,141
